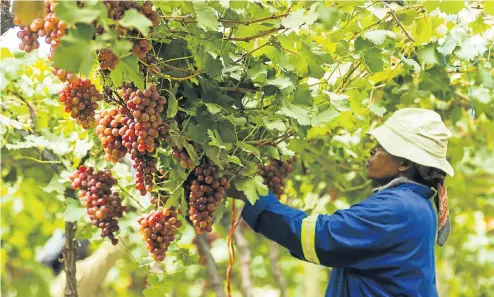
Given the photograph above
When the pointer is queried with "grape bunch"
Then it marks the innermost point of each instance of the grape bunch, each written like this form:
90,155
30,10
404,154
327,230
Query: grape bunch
183,157
29,34
103,206
147,9
158,230
161,196
80,98
110,132
141,48
146,108
107,59
116,8
274,174
206,190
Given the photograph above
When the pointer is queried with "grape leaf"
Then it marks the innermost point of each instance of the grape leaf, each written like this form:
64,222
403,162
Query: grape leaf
249,148
235,160
378,36
294,20
76,52
206,17
427,55
73,211
297,112
213,108
452,7
134,19
127,68
191,151
489,7
281,82
172,109
71,13
252,187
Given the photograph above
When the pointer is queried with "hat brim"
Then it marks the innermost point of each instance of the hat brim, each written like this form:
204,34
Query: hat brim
396,145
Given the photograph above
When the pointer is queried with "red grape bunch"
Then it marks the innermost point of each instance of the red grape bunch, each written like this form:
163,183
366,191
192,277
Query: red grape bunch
107,59
143,132
29,34
80,98
206,190
103,207
184,158
110,129
158,230
160,197
274,174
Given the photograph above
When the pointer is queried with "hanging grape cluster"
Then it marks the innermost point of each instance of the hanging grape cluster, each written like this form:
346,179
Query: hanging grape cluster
107,59
183,157
29,34
205,189
110,132
80,98
274,174
158,230
103,206
143,131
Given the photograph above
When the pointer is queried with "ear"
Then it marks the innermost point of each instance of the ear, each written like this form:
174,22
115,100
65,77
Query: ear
405,165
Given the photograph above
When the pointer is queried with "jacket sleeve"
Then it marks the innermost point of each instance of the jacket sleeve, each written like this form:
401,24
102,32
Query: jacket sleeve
344,239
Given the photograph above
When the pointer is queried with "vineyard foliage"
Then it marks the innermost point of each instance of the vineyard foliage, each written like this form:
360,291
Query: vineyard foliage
179,100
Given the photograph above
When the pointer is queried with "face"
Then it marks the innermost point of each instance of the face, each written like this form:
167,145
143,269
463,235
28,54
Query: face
382,166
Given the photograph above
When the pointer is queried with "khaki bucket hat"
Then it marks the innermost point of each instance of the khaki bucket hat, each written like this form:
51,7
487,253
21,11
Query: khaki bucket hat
418,135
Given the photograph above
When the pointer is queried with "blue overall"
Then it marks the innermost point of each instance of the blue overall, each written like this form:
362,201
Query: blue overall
382,246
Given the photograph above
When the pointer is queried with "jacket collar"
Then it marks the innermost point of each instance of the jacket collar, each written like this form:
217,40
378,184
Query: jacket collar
406,183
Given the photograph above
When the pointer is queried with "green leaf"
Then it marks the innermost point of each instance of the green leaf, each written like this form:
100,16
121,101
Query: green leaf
294,20
252,188
205,15
373,59
236,121
234,71
377,110
329,16
274,125
431,5
451,7
191,151
172,109
297,112
176,197
134,19
281,82
127,68
486,77
427,55
489,7
249,148
73,211
215,139
213,108
213,153
378,36
76,52
235,160
71,13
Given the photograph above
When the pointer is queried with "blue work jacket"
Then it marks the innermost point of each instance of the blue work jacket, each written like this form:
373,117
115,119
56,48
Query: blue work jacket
382,246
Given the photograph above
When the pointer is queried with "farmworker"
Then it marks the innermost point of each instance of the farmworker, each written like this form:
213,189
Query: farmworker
384,245
91,270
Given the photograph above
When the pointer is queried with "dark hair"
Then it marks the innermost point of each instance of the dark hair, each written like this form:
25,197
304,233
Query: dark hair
429,176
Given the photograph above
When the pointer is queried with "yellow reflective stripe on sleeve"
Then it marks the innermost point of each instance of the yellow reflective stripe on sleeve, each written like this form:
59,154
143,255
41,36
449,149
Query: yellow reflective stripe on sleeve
308,238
